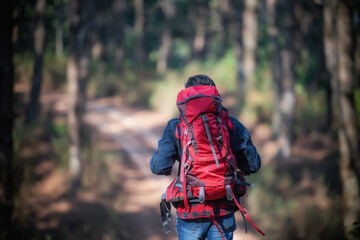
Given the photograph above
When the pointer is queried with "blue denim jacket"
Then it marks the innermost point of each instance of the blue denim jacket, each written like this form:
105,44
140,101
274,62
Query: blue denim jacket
169,149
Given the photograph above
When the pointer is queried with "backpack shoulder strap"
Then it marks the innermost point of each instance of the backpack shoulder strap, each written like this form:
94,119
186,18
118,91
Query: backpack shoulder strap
226,117
206,123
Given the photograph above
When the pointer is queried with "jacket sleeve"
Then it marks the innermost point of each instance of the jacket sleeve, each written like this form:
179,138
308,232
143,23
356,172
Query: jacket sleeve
247,157
167,153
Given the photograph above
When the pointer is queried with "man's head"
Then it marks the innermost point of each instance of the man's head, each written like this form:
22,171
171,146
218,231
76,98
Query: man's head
199,80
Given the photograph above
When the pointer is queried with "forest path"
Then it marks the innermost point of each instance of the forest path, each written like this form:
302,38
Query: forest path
137,132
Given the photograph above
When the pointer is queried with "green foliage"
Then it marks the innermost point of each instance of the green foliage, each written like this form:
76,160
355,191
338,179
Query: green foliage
310,109
180,53
54,71
222,71
357,106
60,140
263,77
101,84
96,164
23,67
166,88
284,197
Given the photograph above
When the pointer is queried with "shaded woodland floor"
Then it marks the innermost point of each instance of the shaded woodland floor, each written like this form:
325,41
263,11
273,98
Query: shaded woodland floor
119,197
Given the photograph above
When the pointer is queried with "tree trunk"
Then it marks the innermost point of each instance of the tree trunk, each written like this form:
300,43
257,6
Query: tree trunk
287,103
39,39
288,84
235,20
339,47
250,37
59,30
81,23
285,80
224,9
6,120
356,33
331,53
74,103
59,38
139,29
118,29
273,32
199,12
347,131
169,12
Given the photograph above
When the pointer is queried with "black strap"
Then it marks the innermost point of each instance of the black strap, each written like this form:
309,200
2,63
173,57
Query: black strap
244,221
165,212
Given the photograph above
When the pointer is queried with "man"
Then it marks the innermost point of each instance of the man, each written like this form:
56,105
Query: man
197,223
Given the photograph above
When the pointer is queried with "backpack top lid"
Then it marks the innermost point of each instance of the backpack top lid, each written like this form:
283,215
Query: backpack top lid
193,101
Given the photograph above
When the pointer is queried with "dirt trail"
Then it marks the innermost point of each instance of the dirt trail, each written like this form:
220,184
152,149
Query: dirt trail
137,132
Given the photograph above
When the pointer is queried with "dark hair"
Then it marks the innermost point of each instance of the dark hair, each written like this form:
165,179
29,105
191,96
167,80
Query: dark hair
199,80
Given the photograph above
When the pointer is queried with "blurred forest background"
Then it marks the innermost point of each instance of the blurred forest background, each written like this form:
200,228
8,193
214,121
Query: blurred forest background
289,70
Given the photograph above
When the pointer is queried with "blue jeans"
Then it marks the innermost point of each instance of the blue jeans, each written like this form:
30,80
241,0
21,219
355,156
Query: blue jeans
204,228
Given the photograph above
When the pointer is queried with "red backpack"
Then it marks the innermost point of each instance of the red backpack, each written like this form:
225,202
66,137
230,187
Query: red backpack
208,169
208,165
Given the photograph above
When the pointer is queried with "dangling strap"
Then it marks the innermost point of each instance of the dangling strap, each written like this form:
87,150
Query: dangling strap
244,221
243,211
183,177
165,212
202,195
205,119
182,171
217,226
186,203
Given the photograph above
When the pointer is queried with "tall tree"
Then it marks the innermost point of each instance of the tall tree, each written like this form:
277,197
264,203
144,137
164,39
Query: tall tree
281,26
139,30
59,28
168,7
77,75
73,98
199,11
339,47
250,38
356,33
235,20
287,97
224,9
273,32
119,22
39,39
331,53
347,132
6,120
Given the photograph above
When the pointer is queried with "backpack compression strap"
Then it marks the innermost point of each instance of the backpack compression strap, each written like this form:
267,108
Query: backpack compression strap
183,164
206,123
244,212
217,226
